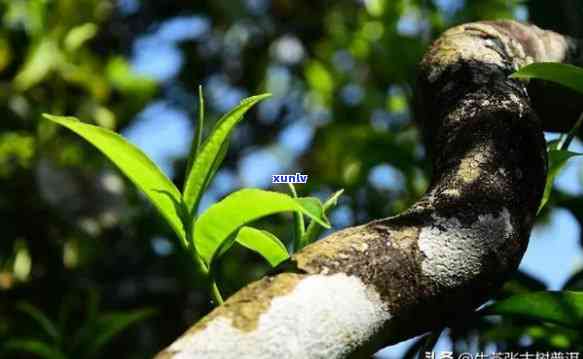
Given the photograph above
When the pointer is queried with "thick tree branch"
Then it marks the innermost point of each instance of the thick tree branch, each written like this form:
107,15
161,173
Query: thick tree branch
401,276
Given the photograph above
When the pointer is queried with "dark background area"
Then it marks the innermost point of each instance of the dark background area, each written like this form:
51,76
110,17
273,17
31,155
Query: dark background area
78,240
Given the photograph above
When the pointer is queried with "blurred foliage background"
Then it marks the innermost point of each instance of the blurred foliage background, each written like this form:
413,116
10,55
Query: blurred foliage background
81,253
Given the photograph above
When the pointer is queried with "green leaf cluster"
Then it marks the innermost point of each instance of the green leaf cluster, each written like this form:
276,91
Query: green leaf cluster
209,235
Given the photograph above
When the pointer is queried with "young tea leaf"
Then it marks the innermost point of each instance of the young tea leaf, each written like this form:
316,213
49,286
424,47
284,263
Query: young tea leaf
264,243
564,308
557,160
197,140
224,218
314,206
201,171
135,165
314,229
564,74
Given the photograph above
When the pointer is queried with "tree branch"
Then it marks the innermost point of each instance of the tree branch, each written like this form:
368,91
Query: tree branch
393,278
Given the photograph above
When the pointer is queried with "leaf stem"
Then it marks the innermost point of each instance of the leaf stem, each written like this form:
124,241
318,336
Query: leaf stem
188,222
215,292
571,134
214,288
299,227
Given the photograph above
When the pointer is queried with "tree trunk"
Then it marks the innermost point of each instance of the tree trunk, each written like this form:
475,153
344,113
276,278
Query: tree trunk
385,281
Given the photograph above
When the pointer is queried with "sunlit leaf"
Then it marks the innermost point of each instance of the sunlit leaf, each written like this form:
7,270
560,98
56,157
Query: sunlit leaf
126,80
224,218
208,156
564,308
135,165
40,61
197,138
218,160
375,7
32,346
314,228
314,206
319,78
567,75
557,160
16,151
264,243
78,35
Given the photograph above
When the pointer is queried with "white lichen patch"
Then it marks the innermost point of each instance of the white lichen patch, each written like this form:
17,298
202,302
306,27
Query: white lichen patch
456,253
322,317
468,172
452,193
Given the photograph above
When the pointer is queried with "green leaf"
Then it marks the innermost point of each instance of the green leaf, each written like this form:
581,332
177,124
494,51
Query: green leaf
41,60
123,78
264,243
333,200
564,74
96,334
79,35
554,144
319,78
568,138
135,165
314,206
314,229
32,346
564,308
224,218
201,172
41,319
216,163
557,160
197,139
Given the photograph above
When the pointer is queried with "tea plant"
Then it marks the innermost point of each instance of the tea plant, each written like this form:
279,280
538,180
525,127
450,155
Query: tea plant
209,235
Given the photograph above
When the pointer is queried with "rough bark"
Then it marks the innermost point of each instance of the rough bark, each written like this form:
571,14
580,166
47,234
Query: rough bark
393,278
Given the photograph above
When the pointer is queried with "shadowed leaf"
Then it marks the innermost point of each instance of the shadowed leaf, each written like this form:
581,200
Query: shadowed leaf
564,308
567,75
32,346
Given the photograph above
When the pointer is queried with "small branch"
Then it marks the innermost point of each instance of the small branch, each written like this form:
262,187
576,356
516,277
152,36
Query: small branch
368,286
